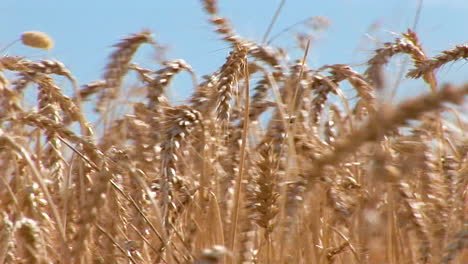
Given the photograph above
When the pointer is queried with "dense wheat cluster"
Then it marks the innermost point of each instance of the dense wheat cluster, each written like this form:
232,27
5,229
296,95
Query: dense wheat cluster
269,161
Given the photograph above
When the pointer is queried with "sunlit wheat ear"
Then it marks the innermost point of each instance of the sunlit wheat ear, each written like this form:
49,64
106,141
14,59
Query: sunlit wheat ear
230,74
263,196
362,87
156,82
330,175
457,53
180,121
91,88
28,232
120,58
37,39
200,99
222,25
119,65
409,44
259,103
322,87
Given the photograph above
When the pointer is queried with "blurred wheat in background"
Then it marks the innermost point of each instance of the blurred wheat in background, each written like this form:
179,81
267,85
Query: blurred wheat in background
269,161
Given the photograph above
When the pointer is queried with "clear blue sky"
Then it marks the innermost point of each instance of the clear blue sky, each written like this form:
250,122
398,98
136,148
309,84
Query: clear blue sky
84,30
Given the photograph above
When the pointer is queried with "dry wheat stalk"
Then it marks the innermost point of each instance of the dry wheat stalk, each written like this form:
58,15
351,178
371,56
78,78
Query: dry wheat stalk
415,207
265,190
408,45
166,183
28,232
40,121
180,121
44,67
91,88
322,86
71,110
223,27
429,65
119,63
37,39
343,196
201,99
259,101
9,101
390,119
330,129
96,198
229,76
53,156
157,85
420,57
269,55
363,88
31,71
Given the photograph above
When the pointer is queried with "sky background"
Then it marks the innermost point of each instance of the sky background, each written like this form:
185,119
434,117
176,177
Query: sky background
85,30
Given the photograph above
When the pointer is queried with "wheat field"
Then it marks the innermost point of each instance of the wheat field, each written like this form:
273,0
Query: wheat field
268,161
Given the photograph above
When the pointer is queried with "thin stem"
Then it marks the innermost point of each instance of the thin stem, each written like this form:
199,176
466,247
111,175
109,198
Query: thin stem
240,176
273,20
9,45
406,59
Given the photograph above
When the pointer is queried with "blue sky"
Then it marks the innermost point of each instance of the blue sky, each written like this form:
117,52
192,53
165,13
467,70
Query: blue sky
84,30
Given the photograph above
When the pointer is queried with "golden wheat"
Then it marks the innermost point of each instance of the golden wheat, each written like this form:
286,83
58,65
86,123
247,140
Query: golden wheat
294,173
